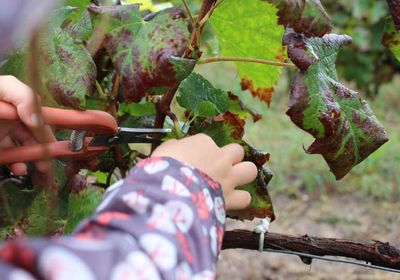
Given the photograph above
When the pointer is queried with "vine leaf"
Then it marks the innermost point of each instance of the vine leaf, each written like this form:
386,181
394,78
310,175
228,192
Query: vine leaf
345,128
394,7
81,205
15,200
69,71
80,4
236,106
79,26
137,109
260,205
391,38
201,98
304,16
147,54
250,29
108,18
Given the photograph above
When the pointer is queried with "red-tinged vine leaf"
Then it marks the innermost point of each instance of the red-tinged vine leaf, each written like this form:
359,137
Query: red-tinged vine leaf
391,37
68,70
264,94
108,18
394,6
249,29
147,54
237,107
345,128
257,156
304,16
261,204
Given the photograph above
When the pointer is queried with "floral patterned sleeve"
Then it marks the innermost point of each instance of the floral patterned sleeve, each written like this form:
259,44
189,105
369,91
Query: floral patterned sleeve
165,220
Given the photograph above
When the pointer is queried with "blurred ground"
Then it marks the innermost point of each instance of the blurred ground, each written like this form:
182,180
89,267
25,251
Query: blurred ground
306,197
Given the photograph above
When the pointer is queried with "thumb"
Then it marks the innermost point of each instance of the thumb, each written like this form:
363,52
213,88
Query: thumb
23,98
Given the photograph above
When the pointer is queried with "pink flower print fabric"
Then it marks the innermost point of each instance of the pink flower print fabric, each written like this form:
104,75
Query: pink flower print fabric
164,221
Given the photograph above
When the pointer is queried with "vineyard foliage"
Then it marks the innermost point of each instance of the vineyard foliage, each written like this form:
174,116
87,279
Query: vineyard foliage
371,27
138,63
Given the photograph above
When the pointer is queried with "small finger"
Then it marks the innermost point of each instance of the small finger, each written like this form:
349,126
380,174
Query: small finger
234,151
28,106
19,168
239,199
6,126
24,137
23,98
243,173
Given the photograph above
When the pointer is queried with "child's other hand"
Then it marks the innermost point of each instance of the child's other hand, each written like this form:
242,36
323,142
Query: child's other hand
31,129
224,165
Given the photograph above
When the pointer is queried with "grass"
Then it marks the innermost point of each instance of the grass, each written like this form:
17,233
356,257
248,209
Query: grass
378,176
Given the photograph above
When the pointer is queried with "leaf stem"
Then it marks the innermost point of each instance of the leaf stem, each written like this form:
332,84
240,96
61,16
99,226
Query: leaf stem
100,90
189,12
244,59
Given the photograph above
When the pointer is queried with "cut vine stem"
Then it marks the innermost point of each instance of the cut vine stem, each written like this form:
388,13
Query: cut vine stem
374,252
244,59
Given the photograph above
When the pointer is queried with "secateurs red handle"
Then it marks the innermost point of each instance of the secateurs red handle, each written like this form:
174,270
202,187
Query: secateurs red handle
97,122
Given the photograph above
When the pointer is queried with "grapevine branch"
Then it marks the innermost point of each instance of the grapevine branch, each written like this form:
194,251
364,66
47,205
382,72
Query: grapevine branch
163,106
188,11
375,252
244,59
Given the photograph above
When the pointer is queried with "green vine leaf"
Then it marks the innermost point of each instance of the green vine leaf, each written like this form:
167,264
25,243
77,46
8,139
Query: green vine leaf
80,4
147,54
304,16
200,97
137,109
345,128
81,205
14,202
250,29
391,38
15,64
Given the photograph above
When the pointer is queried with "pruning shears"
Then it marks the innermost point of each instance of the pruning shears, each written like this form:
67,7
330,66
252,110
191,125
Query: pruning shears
101,127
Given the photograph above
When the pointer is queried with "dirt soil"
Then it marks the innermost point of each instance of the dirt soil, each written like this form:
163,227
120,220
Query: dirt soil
350,216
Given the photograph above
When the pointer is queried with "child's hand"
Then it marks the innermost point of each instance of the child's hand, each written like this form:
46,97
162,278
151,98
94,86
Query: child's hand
224,165
30,129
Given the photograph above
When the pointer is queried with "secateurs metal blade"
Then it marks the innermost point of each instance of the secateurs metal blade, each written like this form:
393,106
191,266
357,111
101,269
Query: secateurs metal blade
93,133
